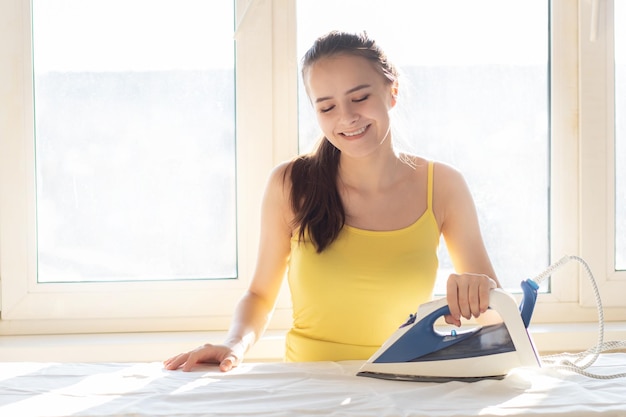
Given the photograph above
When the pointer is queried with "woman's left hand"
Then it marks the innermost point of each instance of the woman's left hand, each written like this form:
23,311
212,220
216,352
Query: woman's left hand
468,296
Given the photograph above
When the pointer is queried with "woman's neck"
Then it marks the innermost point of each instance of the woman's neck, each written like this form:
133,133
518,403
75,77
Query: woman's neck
370,174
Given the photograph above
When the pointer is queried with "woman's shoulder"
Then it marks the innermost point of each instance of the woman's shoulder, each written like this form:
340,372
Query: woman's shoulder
447,179
282,169
447,172
278,191
441,169
283,175
285,168
280,178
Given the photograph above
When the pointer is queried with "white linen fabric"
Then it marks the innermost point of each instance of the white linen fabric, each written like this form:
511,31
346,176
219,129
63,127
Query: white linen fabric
298,389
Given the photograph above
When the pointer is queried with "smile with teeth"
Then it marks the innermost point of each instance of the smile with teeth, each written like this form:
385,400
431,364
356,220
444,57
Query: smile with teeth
356,132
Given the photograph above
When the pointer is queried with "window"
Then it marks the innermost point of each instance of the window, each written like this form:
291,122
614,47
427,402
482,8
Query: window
566,130
468,98
57,296
135,140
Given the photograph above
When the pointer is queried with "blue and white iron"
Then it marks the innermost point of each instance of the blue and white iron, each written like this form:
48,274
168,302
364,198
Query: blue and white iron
419,352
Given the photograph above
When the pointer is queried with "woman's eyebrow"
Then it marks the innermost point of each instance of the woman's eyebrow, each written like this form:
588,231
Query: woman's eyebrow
350,91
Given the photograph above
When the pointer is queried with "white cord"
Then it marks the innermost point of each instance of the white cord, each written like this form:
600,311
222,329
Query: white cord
579,362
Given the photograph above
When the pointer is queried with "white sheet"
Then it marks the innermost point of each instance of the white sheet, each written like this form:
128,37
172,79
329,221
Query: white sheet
297,389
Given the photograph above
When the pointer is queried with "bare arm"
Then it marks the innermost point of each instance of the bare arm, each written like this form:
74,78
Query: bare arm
467,289
255,308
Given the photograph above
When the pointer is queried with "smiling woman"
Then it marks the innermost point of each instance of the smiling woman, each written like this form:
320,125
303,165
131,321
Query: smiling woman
355,120
473,92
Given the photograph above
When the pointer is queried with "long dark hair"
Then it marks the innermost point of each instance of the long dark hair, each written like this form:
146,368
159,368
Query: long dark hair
315,198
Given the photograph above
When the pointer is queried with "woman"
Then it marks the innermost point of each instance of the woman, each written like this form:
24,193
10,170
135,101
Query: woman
355,224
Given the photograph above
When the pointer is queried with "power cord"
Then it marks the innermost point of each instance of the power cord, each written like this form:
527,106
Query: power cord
580,362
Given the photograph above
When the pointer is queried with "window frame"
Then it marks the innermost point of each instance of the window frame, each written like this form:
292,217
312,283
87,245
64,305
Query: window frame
581,103
266,114
597,139
32,307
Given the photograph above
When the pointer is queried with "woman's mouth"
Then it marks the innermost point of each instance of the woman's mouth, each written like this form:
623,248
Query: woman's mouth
355,133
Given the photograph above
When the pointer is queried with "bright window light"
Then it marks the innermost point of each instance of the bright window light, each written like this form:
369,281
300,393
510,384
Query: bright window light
135,139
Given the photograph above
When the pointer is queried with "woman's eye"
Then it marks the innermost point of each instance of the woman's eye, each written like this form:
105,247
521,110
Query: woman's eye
358,100
327,109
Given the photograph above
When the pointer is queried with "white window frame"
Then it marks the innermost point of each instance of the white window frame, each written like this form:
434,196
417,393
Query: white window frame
28,307
582,170
266,76
597,138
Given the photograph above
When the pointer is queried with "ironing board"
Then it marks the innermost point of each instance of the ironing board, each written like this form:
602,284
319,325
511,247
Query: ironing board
297,389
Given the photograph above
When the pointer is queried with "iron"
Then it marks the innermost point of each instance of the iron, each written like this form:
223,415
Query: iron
418,352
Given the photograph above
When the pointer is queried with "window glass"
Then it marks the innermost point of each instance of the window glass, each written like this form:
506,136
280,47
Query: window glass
474,93
620,135
135,139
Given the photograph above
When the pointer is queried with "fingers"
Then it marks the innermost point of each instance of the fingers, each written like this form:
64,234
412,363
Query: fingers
452,296
229,363
175,362
192,360
184,361
451,320
467,296
217,354
484,289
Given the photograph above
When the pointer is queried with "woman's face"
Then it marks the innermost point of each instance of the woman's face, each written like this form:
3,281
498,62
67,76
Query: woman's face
352,102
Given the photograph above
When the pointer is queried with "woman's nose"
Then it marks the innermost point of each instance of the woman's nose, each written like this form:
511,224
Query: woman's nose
348,115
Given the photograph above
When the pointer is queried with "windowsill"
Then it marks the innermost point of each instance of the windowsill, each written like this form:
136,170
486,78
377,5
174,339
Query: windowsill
124,347
154,347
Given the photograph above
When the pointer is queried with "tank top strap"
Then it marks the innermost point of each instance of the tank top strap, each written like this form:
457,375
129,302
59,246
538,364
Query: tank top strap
430,184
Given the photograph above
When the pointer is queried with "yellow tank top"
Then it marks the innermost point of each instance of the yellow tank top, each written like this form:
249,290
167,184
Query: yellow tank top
350,298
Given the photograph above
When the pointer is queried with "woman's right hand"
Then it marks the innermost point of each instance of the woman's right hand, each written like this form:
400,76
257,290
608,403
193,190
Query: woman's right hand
226,357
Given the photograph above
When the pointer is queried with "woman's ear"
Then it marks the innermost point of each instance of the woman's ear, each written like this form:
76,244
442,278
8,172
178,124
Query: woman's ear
394,93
